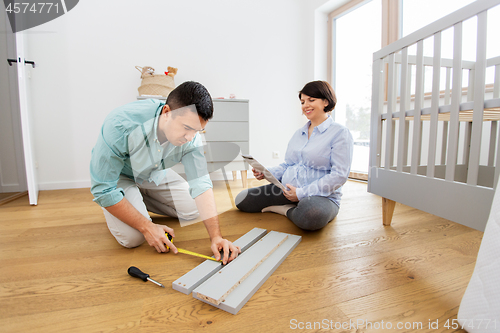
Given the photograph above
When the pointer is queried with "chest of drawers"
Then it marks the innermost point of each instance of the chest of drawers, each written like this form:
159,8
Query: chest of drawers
228,127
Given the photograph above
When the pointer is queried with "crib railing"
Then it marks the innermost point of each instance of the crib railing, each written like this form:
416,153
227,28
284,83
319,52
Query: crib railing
415,138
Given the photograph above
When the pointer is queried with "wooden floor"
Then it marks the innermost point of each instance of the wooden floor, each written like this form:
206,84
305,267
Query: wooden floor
62,271
9,196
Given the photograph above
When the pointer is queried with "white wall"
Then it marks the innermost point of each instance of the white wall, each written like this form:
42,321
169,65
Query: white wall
258,50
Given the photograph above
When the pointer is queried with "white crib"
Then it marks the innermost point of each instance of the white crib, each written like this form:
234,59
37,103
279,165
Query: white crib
426,148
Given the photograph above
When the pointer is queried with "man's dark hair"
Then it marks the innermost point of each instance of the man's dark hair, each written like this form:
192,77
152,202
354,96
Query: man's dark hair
320,89
189,93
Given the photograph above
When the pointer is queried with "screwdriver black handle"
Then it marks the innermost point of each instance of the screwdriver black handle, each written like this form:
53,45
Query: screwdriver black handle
136,272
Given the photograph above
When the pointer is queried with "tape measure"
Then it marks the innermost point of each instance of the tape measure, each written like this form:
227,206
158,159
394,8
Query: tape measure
190,252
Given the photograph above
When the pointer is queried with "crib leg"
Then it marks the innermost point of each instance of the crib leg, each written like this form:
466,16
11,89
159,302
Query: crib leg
387,210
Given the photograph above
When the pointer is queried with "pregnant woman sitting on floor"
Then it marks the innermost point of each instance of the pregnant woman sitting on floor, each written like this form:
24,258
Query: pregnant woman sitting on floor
317,164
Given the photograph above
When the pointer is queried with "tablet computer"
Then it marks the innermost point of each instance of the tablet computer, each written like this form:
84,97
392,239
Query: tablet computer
260,168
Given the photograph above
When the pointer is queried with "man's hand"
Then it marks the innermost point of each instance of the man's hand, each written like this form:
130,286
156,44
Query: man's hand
156,237
218,244
205,203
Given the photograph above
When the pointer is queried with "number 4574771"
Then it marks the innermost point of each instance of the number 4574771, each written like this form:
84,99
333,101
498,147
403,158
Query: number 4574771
40,7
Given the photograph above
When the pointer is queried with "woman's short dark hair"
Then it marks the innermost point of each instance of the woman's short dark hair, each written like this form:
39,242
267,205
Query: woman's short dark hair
189,93
320,89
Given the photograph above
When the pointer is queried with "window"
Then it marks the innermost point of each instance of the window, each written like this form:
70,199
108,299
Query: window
357,34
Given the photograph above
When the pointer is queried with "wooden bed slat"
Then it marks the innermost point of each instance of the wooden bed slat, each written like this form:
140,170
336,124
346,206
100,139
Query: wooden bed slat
470,85
377,104
497,165
477,117
402,145
444,142
466,141
496,84
391,104
456,95
493,142
436,76
419,96
447,91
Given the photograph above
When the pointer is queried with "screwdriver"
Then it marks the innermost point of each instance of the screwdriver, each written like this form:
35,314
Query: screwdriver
137,273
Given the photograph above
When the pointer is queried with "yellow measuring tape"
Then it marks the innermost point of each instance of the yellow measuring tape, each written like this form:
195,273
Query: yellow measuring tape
197,254
190,252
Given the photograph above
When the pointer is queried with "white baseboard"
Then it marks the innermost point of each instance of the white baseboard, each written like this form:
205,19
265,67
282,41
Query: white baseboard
86,183
64,185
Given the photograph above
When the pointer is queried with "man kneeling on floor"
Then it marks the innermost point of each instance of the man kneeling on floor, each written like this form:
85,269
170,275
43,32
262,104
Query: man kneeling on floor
131,169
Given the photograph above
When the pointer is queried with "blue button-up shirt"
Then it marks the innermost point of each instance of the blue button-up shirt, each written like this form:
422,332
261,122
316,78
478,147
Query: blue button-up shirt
128,145
319,165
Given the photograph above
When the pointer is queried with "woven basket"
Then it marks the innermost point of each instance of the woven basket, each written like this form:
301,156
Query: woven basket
155,84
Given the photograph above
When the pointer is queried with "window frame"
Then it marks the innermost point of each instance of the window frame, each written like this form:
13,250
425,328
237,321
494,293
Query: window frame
391,31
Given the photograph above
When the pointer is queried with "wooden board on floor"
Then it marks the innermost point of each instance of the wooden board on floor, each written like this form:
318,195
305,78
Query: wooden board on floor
219,285
192,279
231,288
